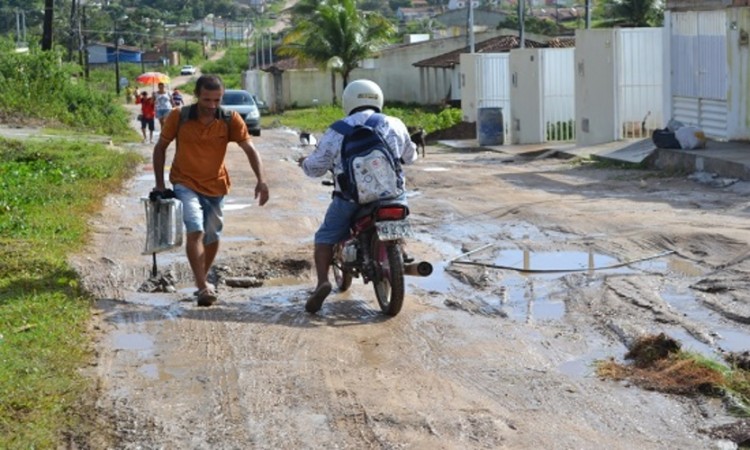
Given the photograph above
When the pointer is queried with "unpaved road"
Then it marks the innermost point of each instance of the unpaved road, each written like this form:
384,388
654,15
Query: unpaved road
478,358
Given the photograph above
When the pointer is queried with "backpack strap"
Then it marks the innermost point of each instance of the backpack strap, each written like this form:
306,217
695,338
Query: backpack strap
191,112
374,120
341,127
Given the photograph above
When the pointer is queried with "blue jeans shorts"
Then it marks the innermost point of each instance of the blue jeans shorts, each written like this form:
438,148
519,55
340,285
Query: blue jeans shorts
337,222
201,213
162,113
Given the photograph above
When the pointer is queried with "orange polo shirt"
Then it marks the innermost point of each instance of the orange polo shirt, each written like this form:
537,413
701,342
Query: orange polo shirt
199,160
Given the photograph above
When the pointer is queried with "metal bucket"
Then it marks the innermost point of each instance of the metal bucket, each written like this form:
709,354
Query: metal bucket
163,225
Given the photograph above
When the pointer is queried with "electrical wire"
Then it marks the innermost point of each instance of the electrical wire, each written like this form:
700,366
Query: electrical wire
521,270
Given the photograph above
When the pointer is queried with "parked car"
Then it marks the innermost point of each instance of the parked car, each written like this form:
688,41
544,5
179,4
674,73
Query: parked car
243,102
187,70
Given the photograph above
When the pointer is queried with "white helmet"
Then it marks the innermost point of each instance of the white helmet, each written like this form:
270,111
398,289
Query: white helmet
362,93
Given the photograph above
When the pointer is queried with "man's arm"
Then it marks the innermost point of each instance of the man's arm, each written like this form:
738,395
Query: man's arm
261,188
158,158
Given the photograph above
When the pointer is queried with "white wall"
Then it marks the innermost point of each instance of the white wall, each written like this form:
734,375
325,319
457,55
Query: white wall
619,83
392,70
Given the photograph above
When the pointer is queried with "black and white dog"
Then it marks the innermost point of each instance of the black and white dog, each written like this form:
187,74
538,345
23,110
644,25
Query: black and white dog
306,139
417,135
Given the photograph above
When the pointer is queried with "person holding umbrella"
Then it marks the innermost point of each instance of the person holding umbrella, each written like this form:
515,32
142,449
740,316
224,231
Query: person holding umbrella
148,112
199,175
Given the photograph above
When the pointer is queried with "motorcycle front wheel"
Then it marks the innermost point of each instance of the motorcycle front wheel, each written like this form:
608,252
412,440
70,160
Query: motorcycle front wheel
342,277
389,276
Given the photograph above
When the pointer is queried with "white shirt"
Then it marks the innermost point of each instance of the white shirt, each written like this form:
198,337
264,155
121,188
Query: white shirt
327,154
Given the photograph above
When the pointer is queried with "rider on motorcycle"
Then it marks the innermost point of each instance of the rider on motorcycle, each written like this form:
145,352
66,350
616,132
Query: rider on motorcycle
360,99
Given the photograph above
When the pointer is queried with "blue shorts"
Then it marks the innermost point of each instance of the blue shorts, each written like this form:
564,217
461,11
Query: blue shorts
162,113
201,213
336,225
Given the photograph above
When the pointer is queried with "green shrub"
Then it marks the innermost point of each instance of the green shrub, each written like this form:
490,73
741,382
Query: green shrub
36,85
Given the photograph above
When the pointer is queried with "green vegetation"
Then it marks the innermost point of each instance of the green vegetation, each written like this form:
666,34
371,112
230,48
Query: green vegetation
659,363
36,86
47,191
316,120
229,67
322,31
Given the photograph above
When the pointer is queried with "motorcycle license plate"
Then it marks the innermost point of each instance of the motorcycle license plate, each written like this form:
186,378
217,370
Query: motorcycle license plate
393,229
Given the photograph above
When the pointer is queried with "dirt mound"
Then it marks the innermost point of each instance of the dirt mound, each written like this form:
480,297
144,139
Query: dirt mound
463,130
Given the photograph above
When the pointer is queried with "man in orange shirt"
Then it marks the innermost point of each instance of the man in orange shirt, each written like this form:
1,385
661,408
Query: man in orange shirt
199,176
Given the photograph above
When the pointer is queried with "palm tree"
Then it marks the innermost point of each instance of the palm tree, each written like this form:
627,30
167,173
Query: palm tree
335,29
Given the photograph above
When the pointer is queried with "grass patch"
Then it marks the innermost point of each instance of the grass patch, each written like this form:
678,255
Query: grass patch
659,364
47,191
317,119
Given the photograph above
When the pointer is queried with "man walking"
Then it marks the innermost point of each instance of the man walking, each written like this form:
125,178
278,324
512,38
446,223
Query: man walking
199,175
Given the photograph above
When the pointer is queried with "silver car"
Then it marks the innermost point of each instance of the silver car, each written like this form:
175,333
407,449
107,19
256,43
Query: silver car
242,102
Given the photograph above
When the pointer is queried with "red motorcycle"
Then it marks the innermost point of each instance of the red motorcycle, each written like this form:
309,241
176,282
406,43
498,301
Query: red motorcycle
375,252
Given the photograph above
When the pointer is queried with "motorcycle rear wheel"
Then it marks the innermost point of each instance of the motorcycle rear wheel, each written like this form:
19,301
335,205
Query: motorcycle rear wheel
389,276
342,277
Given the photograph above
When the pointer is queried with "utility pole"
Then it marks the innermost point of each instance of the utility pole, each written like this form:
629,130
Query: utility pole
470,26
85,44
73,21
49,14
521,30
117,61
588,14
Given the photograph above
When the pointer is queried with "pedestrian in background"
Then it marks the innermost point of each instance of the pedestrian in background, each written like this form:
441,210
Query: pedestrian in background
163,104
177,99
148,108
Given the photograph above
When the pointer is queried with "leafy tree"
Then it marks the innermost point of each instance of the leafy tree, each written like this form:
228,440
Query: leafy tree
531,24
336,28
633,13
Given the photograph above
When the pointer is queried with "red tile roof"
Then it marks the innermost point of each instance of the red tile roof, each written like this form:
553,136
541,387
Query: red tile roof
500,44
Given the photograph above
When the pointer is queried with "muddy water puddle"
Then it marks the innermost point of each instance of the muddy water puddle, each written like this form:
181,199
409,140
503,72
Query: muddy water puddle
528,286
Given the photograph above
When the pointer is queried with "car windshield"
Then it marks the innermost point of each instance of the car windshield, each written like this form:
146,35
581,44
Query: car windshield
237,98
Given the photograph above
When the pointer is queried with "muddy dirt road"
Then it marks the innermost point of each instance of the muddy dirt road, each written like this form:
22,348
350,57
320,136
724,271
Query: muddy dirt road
478,358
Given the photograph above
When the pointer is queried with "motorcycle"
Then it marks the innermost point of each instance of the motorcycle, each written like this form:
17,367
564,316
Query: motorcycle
374,251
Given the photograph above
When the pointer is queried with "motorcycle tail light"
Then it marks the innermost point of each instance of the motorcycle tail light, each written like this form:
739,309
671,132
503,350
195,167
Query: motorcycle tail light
392,213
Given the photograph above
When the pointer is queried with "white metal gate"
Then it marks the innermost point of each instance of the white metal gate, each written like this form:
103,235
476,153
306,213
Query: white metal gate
640,82
699,70
493,85
558,97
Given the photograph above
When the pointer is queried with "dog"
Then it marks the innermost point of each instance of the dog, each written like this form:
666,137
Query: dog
417,135
306,139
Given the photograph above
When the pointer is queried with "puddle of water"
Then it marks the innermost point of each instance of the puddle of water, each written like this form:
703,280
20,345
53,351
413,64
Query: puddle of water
228,239
236,207
148,298
686,303
585,365
282,281
149,371
573,261
133,341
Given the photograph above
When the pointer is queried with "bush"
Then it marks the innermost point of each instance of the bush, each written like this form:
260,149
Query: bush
36,85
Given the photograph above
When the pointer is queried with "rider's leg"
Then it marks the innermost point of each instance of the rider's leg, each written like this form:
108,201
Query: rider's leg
323,259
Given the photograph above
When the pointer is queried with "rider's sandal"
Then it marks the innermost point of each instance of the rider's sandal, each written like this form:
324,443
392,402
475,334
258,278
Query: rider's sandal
206,297
315,302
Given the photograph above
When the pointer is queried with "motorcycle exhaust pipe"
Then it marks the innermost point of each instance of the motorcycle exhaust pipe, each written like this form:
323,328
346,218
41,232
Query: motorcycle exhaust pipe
420,269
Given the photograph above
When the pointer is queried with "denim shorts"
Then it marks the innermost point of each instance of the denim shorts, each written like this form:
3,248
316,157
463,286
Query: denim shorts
162,113
337,222
201,213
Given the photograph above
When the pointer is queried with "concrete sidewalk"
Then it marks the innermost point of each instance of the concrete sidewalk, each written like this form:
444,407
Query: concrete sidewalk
725,159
